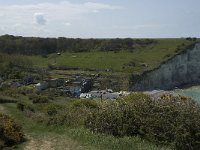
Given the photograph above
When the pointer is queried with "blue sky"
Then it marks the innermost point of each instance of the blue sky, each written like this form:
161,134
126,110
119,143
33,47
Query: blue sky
100,18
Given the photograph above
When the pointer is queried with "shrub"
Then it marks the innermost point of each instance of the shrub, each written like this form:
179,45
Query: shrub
10,132
90,104
74,114
52,109
25,107
171,120
67,115
39,99
20,106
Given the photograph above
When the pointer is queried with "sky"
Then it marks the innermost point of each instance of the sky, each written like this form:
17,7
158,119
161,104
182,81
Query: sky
101,18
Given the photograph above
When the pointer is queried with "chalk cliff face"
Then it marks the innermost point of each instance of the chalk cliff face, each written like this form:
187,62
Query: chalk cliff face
183,69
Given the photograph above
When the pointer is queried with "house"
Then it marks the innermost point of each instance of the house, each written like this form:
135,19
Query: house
42,86
124,93
102,94
86,85
74,91
53,83
85,96
110,96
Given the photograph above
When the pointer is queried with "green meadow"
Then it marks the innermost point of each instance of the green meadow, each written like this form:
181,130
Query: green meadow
136,61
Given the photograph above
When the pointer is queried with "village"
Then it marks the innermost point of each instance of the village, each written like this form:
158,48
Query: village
78,87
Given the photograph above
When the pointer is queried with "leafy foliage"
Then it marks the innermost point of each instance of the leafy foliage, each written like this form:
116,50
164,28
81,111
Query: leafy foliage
39,98
10,132
170,120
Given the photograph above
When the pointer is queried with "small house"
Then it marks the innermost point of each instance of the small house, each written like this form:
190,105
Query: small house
86,85
75,91
42,86
85,96
72,91
104,94
53,83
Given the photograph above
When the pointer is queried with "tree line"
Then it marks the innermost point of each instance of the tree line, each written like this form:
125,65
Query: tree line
42,46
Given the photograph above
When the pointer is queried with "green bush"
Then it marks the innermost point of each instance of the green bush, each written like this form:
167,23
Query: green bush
67,115
10,132
90,104
73,114
171,120
25,107
51,109
39,99
20,106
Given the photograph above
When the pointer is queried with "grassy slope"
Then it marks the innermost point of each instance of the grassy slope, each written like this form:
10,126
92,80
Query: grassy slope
152,56
42,137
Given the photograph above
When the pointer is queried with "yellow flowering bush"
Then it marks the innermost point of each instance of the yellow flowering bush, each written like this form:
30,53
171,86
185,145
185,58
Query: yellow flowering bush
10,132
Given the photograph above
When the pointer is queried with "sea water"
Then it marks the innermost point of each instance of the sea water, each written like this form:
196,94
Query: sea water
193,92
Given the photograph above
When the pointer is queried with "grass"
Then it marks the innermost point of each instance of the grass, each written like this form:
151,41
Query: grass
40,136
152,56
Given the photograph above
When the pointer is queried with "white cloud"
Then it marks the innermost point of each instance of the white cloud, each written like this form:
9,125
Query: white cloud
67,23
55,16
39,19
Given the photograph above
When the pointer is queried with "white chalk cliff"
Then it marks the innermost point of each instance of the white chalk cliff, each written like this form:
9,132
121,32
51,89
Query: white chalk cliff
183,69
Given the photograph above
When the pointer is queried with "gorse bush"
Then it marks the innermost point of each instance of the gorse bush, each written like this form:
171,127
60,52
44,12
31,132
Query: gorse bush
10,132
173,120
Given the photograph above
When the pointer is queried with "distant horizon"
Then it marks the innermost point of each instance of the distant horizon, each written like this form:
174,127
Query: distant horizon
100,18
101,37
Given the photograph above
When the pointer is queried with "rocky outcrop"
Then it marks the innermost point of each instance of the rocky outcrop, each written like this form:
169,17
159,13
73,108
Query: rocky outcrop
183,69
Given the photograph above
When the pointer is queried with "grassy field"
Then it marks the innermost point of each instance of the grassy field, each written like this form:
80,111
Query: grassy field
123,61
40,137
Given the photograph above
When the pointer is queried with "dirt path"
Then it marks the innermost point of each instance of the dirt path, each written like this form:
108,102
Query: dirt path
33,144
49,143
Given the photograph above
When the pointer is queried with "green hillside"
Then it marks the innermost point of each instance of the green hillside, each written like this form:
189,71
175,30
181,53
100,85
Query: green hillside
123,61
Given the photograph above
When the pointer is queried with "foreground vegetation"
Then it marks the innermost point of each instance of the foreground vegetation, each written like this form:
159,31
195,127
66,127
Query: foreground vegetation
136,121
65,137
